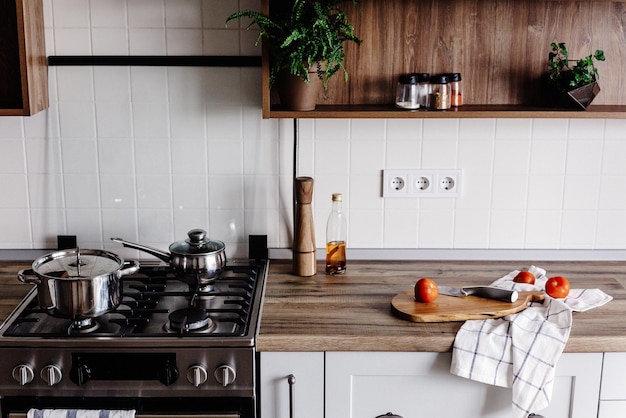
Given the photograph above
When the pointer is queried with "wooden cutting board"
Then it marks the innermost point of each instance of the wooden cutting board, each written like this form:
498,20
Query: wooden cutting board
450,308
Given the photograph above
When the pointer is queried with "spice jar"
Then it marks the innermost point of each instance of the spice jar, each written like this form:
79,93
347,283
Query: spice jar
423,82
407,92
456,90
440,95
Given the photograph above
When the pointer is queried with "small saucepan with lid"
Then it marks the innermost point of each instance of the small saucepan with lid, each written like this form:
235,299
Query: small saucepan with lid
78,283
197,260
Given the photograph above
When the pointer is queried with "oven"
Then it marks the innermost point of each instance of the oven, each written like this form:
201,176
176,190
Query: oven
169,349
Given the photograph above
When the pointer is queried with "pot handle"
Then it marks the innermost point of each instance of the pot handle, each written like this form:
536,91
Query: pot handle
152,251
129,267
28,276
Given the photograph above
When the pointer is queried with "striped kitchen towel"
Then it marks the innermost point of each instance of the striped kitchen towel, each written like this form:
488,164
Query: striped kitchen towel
80,413
521,351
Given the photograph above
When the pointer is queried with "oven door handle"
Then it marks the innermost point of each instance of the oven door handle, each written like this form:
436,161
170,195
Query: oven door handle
291,379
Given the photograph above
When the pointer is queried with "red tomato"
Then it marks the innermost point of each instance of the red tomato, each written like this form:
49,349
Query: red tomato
426,290
557,287
524,277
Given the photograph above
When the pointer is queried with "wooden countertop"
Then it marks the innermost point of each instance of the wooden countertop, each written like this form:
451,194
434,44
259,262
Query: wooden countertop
352,312
12,291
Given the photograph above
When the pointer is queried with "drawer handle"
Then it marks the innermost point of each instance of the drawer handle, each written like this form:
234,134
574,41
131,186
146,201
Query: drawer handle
291,379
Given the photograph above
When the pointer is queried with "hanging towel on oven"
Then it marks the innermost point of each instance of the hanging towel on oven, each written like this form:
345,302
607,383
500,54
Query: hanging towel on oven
80,413
521,351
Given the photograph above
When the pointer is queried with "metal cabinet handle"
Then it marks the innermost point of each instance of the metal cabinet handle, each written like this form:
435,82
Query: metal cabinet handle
291,379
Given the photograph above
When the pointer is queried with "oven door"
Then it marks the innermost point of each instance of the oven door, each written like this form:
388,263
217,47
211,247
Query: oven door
179,407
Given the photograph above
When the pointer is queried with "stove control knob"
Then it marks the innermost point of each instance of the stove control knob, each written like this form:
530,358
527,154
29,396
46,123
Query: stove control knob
51,374
23,374
197,375
80,373
168,373
225,375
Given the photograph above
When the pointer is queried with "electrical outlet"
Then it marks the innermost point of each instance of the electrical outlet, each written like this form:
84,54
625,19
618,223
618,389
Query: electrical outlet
395,183
422,183
449,183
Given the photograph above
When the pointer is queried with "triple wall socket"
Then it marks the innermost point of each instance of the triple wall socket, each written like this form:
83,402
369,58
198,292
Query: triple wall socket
422,183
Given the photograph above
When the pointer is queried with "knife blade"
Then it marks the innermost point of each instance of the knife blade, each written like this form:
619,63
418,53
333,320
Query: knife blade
488,292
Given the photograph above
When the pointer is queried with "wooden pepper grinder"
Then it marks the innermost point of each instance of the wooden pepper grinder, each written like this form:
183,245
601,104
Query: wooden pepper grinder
304,230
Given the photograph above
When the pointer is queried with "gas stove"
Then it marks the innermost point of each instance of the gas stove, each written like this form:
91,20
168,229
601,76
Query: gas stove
164,339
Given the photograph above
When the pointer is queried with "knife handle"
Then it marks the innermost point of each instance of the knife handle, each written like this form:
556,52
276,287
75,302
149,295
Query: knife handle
494,293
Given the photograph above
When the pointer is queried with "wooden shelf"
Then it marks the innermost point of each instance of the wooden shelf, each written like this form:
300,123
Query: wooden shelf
467,111
23,69
499,46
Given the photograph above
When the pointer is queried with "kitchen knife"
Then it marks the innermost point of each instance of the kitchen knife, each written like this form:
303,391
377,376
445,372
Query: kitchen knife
480,291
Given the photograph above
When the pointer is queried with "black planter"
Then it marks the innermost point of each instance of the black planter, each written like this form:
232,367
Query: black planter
583,96
579,98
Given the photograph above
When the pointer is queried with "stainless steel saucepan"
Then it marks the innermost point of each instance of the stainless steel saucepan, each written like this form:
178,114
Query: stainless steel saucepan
78,283
196,260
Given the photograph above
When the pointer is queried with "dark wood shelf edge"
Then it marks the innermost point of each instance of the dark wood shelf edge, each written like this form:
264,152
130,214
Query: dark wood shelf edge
466,111
13,112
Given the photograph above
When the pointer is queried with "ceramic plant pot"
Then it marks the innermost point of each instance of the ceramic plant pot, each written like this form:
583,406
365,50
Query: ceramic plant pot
297,95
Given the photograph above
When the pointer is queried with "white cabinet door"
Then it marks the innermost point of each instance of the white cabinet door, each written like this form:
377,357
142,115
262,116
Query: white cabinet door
576,386
417,385
412,385
614,377
613,391
612,409
308,389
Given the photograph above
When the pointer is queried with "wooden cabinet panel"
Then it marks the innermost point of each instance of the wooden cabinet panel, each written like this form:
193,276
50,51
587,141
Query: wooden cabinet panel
499,46
23,68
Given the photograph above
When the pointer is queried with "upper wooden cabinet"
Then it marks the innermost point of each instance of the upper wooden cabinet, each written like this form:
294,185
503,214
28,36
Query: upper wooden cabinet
499,46
23,67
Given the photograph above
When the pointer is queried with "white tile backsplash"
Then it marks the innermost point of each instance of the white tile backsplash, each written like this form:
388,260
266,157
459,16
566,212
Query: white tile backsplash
70,13
183,14
108,13
109,41
12,158
71,41
183,41
146,13
147,153
147,41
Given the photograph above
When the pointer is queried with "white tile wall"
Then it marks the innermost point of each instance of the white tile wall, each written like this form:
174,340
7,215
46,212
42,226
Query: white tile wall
146,153
528,184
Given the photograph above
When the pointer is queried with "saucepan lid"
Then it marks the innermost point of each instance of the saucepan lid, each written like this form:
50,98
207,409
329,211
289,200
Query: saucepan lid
197,243
77,263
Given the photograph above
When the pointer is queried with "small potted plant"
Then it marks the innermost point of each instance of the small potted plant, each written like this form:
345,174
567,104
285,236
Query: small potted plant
305,44
578,84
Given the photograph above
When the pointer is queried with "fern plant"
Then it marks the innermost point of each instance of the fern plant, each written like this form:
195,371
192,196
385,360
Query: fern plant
568,78
310,33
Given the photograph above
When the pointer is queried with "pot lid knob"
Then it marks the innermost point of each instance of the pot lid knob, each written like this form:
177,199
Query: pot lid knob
197,237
